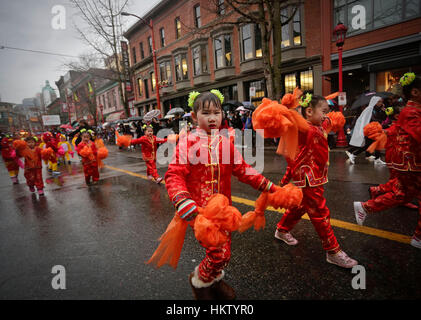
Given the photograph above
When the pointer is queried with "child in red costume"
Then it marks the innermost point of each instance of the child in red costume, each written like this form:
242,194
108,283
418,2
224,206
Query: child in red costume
308,170
191,182
51,142
10,159
404,158
33,165
87,150
149,144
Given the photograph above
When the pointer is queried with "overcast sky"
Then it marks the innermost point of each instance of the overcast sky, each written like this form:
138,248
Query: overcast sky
27,24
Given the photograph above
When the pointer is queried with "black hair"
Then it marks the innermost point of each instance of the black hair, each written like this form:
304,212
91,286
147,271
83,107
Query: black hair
27,139
315,99
416,84
204,100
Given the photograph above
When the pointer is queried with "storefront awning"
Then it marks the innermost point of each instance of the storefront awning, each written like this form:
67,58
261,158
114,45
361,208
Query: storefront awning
345,68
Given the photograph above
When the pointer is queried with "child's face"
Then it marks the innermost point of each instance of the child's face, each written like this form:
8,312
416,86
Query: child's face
149,132
208,118
31,144
86,137
317,114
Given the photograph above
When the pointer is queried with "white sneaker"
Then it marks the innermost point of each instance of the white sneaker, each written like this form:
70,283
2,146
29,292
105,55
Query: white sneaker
360,213
415,242
370,158
286,237
341,259
351,157
379,161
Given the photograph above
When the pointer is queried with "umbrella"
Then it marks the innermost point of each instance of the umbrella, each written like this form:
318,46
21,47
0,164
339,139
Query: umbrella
249,105
240,108
105,124
151,114
135,118
66,126
384,94
187,115
363,99
169,116
175,110
231,105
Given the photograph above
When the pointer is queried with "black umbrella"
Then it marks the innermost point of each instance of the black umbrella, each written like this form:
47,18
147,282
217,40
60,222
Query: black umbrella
384,94
249,105
363,99
135,118
231,105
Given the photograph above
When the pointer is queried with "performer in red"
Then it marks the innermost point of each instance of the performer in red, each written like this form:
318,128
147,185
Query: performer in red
203,164
149,144
10,160
405,159
87,150
51,142
33,164
308,170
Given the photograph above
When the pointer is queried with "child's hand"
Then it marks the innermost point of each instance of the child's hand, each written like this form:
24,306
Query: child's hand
187,209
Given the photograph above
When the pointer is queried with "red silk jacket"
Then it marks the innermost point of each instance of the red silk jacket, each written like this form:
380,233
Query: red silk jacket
189,178
149,146
87,160
407,145
311,164
33,158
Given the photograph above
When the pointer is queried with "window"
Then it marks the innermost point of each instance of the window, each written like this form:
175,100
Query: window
150,45
251,41
260,91
200,61
162,37
365,15
290,82
142,54
221,7
177,28
306,80
197,21
134,55
223,54
153,81
291,32
165,72
139,85
181,67
145,82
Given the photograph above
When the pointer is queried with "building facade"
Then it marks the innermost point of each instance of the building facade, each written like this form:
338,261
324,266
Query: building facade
201,47
109,105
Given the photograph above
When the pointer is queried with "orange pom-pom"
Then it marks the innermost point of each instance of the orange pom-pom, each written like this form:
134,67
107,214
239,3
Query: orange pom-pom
375,132
337,121
19,144
124,141
247,221
102,153
99,143
46,154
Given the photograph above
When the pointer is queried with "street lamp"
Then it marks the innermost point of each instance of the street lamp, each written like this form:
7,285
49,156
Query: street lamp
340,33
150,25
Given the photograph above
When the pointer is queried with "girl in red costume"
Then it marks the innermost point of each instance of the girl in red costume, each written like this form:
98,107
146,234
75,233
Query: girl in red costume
87,150
10,159
191,182
405,158
149,144
308,170
33,164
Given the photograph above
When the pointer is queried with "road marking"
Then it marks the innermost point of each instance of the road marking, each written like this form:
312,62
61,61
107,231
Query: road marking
334,222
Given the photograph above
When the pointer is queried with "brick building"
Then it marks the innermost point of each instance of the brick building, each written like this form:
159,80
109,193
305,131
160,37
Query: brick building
383,41
110,106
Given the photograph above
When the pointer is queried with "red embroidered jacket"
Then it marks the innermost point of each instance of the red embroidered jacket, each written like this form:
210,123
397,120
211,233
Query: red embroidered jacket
202,165
33,158
149,146
311,164
407,146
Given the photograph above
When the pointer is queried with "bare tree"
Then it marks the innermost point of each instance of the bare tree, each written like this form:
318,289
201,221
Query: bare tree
267,15
103,33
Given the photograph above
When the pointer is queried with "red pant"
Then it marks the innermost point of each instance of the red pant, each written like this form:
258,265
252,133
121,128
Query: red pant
151,169
314,204
215,261
91,170
34,178
405,187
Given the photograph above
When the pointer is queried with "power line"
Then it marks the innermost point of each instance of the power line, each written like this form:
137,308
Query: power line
38,51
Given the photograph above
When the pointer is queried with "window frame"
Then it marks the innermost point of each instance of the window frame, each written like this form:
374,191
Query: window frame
223,49
142,53
150,45
180,57
140,87
253,28
290,27
162,37
134,55
177,23
197,19
203,48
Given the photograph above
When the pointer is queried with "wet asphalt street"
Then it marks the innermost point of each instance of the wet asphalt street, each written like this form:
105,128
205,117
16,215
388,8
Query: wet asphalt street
102,235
